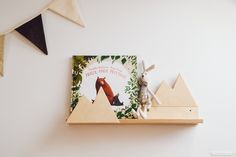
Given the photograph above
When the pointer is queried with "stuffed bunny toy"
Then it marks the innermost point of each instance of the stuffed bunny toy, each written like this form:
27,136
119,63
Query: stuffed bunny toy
145,95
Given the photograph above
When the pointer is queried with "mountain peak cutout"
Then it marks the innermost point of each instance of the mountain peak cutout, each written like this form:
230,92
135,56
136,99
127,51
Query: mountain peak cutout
179,95
99,111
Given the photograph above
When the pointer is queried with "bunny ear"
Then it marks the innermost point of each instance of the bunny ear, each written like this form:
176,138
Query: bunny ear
150,68
144,67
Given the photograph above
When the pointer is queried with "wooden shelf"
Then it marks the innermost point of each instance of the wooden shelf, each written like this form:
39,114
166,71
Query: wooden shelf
147,122
178,108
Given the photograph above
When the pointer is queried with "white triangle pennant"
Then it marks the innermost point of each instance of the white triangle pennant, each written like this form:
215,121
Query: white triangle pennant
67,9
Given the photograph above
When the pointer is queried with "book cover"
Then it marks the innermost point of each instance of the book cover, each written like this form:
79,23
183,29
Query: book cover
117,75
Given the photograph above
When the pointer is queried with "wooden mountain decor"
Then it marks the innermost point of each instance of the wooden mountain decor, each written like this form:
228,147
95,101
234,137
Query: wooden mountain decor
67,9
98,112
177,102
1,54
177,107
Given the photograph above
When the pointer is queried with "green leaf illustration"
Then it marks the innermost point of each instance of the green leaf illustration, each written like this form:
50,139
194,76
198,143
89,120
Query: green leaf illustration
123,60
104,57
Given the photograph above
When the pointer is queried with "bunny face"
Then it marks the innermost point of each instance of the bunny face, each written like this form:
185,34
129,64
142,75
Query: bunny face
143,79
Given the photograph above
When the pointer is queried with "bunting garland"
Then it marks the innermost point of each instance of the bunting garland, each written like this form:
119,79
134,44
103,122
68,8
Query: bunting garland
33,29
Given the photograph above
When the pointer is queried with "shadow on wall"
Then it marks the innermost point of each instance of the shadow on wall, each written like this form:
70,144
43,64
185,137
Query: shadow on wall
64,138
90,140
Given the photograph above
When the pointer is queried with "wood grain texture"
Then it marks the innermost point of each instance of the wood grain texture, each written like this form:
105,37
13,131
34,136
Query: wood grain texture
173,113
146,122
1,54
98,112
67,9
177,102
161,121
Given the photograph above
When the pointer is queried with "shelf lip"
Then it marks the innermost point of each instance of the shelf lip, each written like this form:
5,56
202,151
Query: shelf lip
145,122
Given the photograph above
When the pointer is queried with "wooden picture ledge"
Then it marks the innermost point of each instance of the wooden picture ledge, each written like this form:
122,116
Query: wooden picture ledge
145,122
178,107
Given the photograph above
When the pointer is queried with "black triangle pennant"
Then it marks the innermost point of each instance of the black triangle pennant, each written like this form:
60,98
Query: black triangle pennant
34,32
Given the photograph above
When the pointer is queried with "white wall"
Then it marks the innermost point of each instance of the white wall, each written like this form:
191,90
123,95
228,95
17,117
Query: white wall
196,38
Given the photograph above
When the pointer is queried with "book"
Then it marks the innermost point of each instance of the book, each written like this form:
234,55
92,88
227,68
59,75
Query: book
117,75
